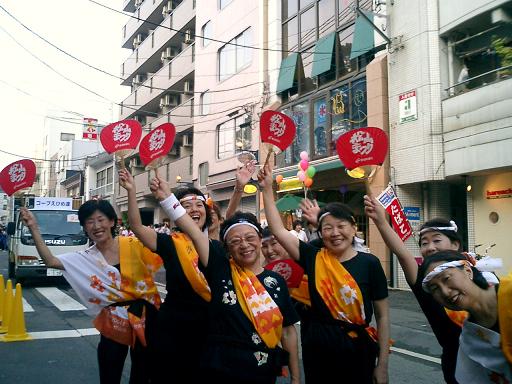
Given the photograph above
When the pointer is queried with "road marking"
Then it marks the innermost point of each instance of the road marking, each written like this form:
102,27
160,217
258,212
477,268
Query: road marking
417,355
26,306
64,334
61,300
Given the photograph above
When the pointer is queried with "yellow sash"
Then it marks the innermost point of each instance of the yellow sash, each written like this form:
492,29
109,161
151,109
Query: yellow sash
457,317
505,315
338,289
301,293
189,259
257,305
138,266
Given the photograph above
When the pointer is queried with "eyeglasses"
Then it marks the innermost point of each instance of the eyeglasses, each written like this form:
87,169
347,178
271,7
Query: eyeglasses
237,241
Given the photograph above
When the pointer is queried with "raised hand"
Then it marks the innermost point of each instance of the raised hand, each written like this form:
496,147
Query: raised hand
126,179
310,210
374,210
28,218
159,188
265,178
244,174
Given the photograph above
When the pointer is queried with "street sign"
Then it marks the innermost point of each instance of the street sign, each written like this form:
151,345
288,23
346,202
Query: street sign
407,107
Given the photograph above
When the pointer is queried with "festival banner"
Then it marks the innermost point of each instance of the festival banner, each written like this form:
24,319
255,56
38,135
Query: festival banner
90,129
391,204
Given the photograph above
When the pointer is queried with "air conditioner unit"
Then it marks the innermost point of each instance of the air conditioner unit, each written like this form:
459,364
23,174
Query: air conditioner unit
187,86
138,3
188,37
174,151
187,141
136,162
137,40
169,101
137,80
140,119
169,53
167,9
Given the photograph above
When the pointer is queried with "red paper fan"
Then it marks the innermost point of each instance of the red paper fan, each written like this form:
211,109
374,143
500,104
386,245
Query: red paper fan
157,143
18,175
277,129
122,135
362,146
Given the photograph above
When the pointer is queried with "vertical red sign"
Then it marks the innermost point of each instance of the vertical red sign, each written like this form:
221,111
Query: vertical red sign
390,202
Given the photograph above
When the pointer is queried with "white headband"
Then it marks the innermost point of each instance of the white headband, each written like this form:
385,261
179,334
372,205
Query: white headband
329,213
236,225
453,227
192,197
486,266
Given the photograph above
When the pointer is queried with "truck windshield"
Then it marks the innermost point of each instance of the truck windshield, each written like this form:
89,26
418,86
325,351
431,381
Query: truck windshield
57,228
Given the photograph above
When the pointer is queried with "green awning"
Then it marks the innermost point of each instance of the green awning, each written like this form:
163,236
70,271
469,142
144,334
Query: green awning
319,167
364,33
287,73
323,59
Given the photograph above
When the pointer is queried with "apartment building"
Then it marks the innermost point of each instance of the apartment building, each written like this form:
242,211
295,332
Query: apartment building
330,77
192,64
450,115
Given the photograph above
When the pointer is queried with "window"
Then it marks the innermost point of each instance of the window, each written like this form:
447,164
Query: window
300,116
234,136
204,103
67,136
203,173
235,55
104,177
206,32
319,128
224,3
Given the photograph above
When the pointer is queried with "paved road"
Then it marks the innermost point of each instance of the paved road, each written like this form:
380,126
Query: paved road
64,345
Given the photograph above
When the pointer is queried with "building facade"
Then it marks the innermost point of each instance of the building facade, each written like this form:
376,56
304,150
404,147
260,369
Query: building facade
450,117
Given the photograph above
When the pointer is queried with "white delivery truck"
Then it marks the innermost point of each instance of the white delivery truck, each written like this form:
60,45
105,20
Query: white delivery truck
61,230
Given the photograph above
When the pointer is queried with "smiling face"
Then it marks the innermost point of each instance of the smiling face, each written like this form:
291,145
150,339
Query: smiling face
452,288
337,234
272,250
433,241
195,209
99,227
244,245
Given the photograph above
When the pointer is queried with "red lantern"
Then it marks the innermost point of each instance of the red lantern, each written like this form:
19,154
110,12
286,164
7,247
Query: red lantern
362,146
157,143
18,175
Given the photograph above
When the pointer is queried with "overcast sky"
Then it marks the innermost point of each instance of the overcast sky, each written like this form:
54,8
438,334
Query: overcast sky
29,91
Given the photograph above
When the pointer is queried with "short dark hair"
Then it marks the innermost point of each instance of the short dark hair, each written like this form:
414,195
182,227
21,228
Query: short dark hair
89,207
297,222
440,222
338,210
450,255
184,191
215,207
266,232
240,217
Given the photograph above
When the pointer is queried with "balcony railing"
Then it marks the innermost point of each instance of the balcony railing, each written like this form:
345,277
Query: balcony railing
103,191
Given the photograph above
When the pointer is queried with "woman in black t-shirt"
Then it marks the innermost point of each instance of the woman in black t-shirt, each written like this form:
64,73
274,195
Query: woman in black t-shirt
345,288
181,324
250,311
435,235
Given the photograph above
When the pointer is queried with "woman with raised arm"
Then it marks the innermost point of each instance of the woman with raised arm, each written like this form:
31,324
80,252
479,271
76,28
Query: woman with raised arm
243,176
114,280
435,235
345,287
181,325
485,351
250,312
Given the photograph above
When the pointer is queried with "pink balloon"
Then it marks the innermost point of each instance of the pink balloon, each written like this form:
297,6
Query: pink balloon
304,155
301,175
304,164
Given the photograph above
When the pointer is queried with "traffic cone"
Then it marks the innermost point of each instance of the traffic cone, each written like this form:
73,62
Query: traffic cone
2,294
7,307
17,330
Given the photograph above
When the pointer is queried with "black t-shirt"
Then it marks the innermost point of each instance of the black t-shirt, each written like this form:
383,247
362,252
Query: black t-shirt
366,270
180,294
445,330
228,323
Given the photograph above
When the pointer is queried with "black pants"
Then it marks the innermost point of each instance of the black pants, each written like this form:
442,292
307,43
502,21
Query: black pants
111,357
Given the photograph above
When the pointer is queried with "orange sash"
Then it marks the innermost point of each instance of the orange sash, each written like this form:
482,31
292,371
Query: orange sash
138,265
505,315
301,293
257,305
457,317
340,291
189,259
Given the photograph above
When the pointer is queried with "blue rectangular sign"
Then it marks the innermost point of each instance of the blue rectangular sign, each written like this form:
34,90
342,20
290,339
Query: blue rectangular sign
412,213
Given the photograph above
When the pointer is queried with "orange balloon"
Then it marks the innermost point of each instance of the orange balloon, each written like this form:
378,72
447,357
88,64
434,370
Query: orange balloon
279,178
308,182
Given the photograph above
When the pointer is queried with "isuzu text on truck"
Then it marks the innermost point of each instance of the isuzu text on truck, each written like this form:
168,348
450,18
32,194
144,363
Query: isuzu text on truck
59,226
